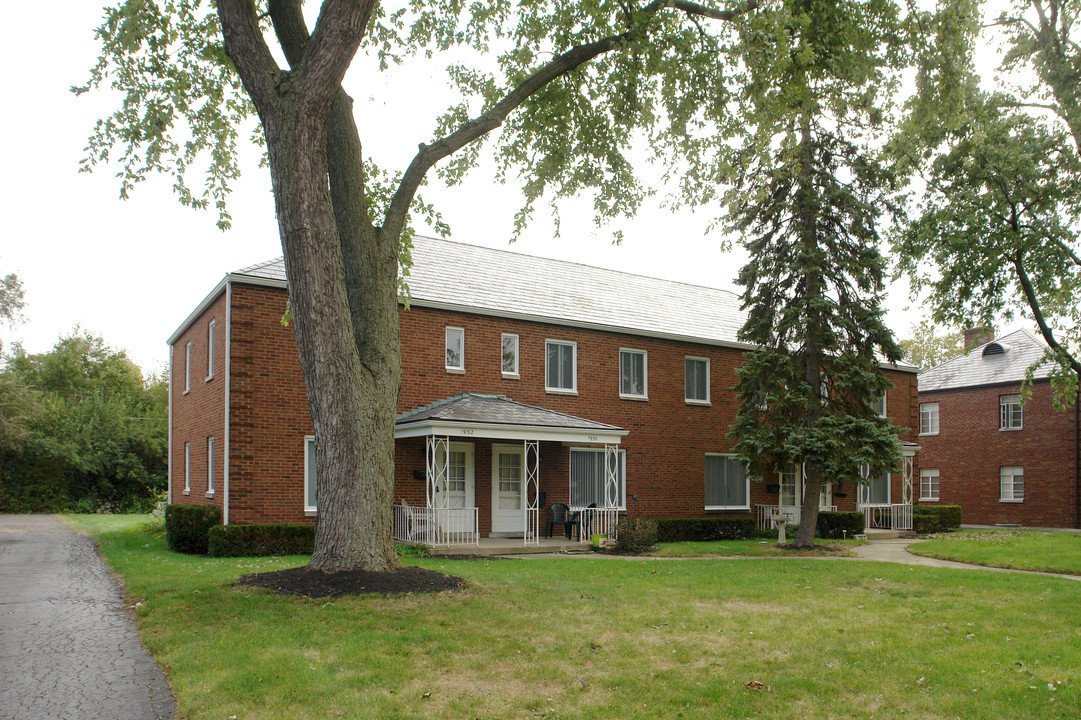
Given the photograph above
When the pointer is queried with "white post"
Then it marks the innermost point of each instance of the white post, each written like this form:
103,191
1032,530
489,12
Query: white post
611,476
531,486
437,471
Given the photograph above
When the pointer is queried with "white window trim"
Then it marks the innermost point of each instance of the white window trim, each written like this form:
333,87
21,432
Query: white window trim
885,409
1018,470
622,466
573,390
695,401
210,467
937,423
446,341
929,473
645,374
517,352
187,368
187,468
746,481
210,351
1021,410
309,441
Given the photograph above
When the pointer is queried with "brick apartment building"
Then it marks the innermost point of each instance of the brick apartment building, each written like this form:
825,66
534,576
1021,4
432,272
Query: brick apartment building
525,382
1002,461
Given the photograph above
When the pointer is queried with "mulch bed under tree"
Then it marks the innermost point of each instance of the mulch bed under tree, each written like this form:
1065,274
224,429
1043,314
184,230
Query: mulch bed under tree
315,583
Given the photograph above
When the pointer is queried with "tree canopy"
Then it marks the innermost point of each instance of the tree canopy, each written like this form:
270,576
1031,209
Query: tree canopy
929,345
80,429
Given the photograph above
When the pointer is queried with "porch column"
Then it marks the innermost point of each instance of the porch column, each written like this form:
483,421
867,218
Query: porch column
531,488
437,460
907,461
611,476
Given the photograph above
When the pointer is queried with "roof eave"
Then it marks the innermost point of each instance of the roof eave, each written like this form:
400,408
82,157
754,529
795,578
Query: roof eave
463,430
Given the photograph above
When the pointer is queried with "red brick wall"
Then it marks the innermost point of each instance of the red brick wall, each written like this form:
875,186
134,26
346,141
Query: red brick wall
665,447
970,449
199,412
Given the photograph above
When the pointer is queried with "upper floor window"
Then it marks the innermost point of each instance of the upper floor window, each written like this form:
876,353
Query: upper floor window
632,373
510,355
1009,412
187,367
727,486
455,349
560,366
1011,484
928,418
210,350
696,380
879,405
929,484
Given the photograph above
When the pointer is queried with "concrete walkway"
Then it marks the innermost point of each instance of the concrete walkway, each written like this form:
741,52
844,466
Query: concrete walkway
896,551
68,648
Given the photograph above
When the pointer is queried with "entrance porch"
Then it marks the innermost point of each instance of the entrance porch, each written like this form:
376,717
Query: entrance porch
465,435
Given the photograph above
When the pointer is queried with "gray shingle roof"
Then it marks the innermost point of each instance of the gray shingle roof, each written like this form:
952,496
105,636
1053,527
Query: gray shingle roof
509,284
1022,349
497,409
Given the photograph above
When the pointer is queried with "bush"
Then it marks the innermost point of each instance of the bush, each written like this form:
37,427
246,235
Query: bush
261,539
936,518
705,529
187,527
637,534
836,525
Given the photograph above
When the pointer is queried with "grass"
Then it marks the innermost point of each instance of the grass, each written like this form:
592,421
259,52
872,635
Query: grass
754,548
607,637
1058,552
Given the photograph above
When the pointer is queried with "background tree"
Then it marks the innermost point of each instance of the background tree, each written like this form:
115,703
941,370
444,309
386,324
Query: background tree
995,234
80,429
12,301
931,345
581,72
808,199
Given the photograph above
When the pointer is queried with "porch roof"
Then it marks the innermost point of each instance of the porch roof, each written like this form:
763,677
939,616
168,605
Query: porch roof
499,417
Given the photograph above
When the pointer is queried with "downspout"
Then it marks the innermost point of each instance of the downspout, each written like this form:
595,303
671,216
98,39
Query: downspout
169,459
228,382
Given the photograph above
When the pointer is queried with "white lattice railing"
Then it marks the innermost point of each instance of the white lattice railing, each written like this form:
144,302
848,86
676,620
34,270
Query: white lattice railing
886,516
597,521
436,526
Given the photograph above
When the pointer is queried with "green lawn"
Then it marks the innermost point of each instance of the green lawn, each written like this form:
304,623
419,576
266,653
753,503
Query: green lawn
755,548
1022,549
605,637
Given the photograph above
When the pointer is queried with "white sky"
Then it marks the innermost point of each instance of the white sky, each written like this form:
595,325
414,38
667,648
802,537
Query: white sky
131,271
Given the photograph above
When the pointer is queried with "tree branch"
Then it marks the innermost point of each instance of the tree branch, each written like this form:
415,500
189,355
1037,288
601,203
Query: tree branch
1033,303
429,155
331,48
245,46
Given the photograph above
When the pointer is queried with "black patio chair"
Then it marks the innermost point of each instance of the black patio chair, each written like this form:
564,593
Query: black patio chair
560,514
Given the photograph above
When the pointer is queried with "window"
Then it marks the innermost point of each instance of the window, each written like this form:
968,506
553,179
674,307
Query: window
1009,412
879,405
209,466
928,418
791,479
455,349
929,484
560,366
311,483
1011,484
210,350
187,367
696,380
727,486
587,478
510,355
632,373
187,468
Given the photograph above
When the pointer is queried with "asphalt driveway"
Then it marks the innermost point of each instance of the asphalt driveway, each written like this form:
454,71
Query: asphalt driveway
68,647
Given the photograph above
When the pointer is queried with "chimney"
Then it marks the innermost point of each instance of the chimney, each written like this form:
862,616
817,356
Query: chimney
978,336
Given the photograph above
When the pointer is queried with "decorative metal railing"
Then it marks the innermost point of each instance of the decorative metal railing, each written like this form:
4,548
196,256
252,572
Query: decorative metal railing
436,526
767,515
597,521
886,516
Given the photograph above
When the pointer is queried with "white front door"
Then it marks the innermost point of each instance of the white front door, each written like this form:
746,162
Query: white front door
458,491
790,495
507,487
